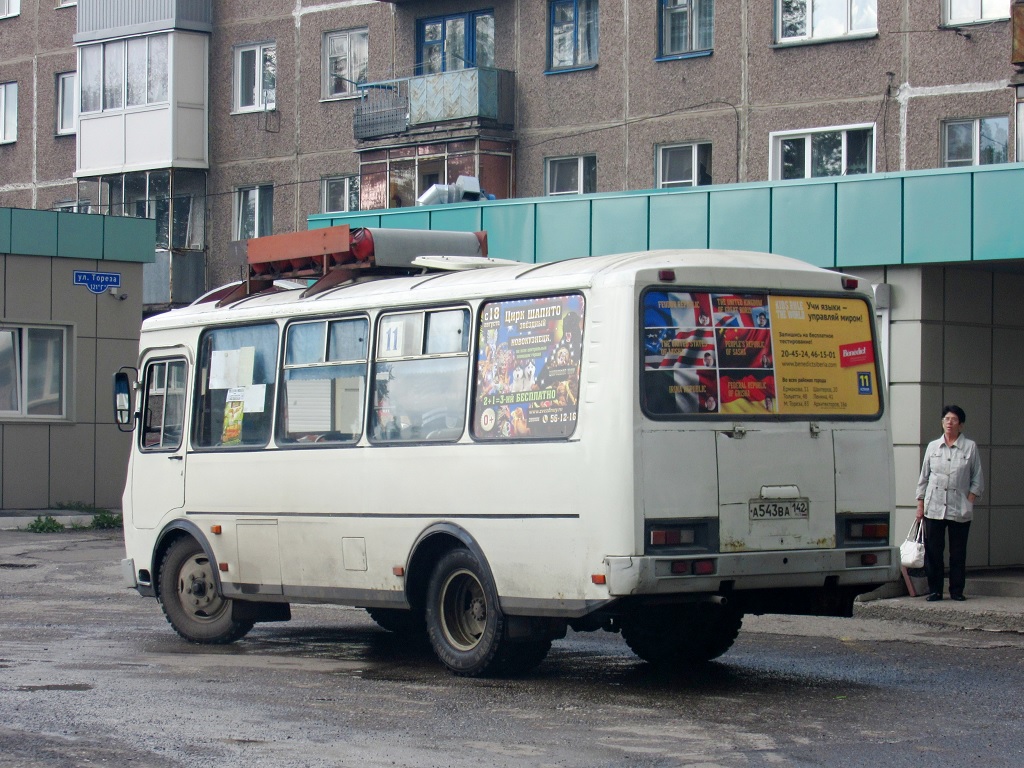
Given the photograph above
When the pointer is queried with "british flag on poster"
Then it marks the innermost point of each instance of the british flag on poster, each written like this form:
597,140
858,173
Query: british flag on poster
732,310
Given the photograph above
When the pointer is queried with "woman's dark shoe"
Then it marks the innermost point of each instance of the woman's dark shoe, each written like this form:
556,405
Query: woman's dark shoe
958,598
934,597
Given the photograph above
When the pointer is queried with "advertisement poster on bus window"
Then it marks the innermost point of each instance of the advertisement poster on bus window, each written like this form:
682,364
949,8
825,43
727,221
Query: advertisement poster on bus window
755,354
528,368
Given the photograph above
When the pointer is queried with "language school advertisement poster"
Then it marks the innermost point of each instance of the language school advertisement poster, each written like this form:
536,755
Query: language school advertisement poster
757,354
528,368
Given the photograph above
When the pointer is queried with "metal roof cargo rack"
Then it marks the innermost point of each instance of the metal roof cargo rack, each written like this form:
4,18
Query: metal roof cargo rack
335,255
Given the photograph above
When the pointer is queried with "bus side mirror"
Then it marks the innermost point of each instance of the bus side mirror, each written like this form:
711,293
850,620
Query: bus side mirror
123,401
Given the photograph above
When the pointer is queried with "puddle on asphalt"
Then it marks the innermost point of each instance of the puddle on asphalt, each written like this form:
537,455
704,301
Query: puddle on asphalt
56,687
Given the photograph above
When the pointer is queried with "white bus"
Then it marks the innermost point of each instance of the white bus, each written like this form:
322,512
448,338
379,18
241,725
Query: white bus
650,443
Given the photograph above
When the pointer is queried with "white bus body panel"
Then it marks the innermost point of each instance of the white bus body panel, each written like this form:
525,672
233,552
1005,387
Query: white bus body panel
339,524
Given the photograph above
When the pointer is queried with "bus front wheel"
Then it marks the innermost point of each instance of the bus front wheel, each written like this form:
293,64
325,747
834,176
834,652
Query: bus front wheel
190,600
464,623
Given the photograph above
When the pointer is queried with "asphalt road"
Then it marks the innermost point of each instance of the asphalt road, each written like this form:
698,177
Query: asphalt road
91,674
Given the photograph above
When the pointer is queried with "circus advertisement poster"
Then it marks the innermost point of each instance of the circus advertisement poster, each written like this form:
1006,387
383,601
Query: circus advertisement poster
824,356
528,368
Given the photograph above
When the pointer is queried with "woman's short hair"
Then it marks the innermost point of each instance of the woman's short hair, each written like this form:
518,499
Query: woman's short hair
957,411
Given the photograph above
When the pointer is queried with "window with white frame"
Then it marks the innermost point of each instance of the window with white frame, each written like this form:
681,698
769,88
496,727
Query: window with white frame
841,151
254,212
66,103
340,193
972,11
824,19
9,8
344,62
982,141
571,175
123,73
684,165
572,34
8,112
686,26
66,3
255,77
33,365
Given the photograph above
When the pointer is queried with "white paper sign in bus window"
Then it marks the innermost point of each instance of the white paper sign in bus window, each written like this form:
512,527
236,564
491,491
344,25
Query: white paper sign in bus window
528,368
753,354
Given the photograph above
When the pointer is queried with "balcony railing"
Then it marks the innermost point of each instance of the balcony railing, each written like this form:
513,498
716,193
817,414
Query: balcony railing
394,106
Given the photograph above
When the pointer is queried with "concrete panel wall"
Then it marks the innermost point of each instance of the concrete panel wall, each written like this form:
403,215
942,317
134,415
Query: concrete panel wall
955,338
80,457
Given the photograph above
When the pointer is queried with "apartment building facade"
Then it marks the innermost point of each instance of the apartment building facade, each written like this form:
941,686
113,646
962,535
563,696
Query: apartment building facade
234,119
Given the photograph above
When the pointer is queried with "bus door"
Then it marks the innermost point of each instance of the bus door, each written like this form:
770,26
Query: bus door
158,467
776,485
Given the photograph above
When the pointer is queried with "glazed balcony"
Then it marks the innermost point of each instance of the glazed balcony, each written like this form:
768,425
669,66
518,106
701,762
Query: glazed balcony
480,94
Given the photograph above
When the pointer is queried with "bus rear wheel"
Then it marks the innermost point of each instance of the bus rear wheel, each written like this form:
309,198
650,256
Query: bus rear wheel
464,623
189,597
683,636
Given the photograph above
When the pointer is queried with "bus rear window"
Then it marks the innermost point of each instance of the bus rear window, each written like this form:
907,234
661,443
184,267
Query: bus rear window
757,354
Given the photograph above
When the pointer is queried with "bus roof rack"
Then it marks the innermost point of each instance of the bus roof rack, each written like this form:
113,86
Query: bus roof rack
335,255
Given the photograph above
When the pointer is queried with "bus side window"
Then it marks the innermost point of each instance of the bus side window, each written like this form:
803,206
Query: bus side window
324,381
234,401
164,406
420,376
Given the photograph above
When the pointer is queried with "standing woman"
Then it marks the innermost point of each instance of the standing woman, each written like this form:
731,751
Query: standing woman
951,481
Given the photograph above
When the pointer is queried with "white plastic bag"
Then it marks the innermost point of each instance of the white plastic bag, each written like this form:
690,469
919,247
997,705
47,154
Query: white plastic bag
912,550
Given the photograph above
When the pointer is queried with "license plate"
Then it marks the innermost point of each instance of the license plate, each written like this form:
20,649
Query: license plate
780,509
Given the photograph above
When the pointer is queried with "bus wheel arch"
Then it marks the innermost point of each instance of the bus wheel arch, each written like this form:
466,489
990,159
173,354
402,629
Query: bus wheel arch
431,545
190,594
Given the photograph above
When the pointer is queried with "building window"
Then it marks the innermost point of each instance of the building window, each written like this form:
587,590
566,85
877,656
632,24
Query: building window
122,73
66,103
572,34
451,43
340,193
825,19
9,8
255,78
842,151
571,175
344,62
254,212
971,11
33,362
686,26
684,165
8,112
66,3
975,142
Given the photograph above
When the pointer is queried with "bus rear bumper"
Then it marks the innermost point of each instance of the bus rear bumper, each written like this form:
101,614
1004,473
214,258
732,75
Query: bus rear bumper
733,572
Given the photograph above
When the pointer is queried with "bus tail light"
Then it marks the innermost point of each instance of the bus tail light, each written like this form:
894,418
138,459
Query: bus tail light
850,283
667,275
693,567
672,537
870,530
598,578
869,558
